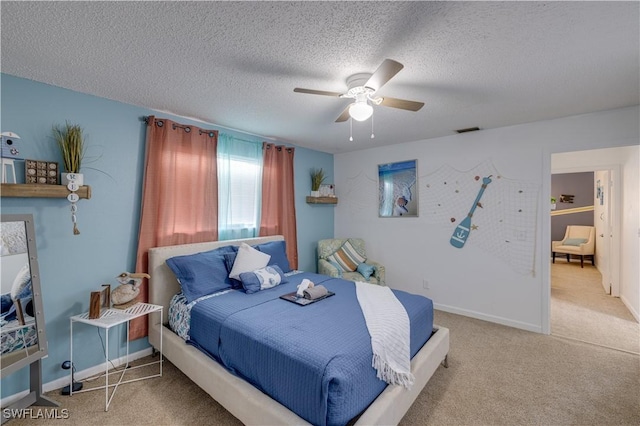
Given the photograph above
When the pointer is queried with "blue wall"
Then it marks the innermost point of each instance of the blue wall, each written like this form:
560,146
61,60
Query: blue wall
73,265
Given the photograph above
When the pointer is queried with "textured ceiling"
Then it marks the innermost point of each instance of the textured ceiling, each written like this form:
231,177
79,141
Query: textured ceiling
235,64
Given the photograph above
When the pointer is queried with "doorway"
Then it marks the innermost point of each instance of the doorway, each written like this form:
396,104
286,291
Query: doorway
583,301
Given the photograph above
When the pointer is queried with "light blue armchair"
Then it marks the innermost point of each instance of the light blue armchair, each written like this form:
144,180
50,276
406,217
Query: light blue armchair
328,247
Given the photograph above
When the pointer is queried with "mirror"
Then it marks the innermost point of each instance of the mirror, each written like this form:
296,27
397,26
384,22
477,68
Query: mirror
22,329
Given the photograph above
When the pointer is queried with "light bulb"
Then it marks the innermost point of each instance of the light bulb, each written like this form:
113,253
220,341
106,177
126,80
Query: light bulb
360,111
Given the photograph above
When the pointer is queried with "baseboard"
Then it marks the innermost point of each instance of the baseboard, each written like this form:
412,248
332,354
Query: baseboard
490,318
630,308
79,375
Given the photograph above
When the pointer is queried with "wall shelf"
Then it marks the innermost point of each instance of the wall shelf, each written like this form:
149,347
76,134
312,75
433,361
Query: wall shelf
322,200
35,190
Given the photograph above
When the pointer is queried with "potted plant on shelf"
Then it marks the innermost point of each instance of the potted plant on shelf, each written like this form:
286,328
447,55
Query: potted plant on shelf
70,140
553,203
317,177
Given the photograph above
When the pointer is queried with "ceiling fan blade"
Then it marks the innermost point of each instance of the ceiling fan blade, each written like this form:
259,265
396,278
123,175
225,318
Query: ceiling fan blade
317,92
384,73
401,103
344,116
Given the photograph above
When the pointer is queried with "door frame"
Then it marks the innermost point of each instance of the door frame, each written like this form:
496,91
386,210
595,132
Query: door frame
545,230
615,218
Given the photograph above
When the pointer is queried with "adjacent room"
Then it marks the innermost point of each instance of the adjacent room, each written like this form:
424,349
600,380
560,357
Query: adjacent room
327,213
585,295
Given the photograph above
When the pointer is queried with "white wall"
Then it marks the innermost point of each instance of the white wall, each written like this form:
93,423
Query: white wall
627,161
474,280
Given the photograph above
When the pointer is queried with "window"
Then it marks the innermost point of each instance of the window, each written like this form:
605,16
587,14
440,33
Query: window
239,187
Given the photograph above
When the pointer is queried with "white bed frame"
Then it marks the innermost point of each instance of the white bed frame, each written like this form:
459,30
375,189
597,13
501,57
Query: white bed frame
240,398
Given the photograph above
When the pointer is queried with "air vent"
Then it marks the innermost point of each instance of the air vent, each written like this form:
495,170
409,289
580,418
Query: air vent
469,129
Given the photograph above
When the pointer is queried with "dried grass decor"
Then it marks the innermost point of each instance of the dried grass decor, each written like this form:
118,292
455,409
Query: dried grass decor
317,178
70,140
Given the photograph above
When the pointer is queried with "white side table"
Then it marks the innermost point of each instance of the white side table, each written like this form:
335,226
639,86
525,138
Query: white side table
108,319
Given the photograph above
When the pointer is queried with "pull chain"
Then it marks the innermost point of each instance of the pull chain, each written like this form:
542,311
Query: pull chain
372,135
351,129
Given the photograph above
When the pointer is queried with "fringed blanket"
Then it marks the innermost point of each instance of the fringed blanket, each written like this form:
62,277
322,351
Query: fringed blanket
388,325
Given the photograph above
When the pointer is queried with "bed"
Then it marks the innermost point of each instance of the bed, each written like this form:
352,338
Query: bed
241,398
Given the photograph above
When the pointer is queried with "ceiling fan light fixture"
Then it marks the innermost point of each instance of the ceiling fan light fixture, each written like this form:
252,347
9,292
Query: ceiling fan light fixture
360,111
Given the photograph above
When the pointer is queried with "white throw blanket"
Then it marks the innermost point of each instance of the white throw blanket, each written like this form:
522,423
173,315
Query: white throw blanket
388,325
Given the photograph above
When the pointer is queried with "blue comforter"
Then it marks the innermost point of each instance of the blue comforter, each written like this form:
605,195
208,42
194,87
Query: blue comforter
314,359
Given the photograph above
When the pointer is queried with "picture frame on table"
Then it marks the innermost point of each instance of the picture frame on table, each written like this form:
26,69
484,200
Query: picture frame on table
99,300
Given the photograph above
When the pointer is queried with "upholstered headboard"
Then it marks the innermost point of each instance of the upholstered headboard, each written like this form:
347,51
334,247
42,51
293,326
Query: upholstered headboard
163,284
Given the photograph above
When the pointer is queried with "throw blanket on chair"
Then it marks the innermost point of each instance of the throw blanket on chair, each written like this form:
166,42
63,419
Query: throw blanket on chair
388,325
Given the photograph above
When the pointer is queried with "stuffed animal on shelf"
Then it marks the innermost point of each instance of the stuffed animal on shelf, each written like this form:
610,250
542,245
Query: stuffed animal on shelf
125,294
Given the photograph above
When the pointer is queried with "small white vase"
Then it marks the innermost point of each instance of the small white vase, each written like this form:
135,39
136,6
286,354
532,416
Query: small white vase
78,178
315,193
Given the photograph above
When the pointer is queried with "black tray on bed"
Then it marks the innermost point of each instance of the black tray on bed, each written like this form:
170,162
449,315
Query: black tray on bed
292,297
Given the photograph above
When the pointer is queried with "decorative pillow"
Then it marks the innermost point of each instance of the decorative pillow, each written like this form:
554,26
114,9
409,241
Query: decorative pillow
278,252
229,258
261,279
202,273
366,270
335,265
574,241
248,259
347,257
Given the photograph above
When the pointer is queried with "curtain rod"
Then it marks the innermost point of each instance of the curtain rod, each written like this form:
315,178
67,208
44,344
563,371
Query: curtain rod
146,120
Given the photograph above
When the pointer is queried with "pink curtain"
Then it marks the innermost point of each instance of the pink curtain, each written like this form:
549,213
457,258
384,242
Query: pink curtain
278,216
180,194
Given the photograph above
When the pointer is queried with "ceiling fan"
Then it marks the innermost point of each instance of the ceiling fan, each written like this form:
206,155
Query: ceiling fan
362,88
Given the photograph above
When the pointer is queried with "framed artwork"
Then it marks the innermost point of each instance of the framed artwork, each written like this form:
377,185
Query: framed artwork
600,192
398,189
43,172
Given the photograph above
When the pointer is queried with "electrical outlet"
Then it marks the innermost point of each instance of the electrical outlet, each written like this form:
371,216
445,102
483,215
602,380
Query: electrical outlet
425,284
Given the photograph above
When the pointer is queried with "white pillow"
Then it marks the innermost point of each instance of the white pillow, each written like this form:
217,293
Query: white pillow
248,259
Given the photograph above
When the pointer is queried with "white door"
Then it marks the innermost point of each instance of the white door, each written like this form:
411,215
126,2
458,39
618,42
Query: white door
614,215
602,221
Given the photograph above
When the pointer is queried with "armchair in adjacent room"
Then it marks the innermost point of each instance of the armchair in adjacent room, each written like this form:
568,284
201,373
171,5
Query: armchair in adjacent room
578,240
347,258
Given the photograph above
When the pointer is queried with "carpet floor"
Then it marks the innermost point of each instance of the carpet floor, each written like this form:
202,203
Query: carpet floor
580,309
497,375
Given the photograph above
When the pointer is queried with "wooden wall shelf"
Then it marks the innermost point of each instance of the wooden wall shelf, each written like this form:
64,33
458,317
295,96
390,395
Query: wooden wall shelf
322,200
35,190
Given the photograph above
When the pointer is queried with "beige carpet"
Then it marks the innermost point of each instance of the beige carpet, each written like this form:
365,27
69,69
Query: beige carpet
580,309
497,375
